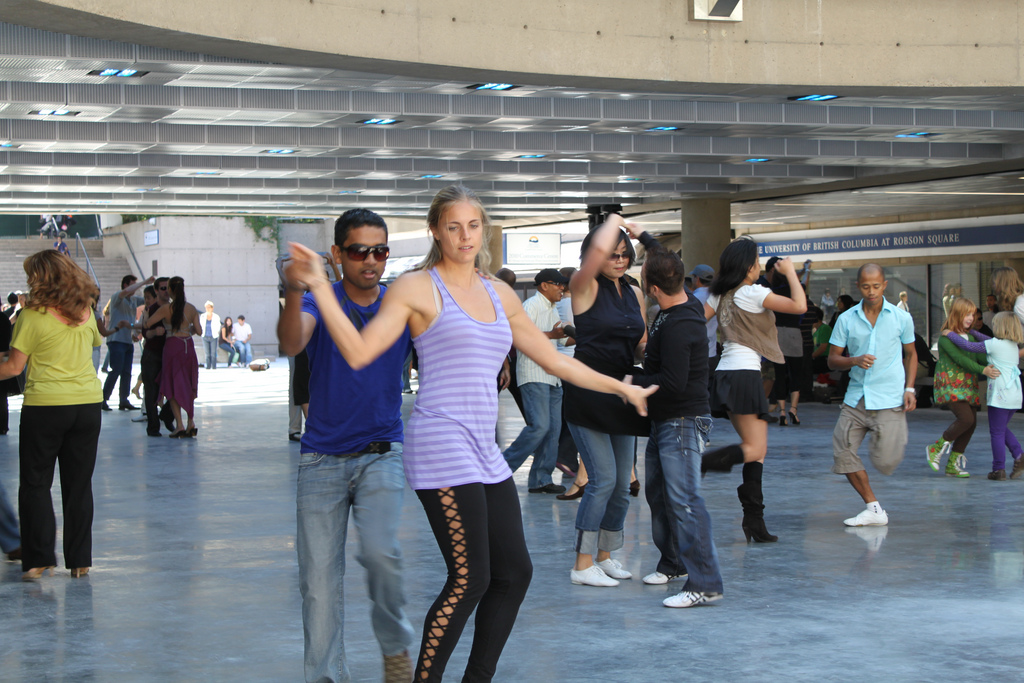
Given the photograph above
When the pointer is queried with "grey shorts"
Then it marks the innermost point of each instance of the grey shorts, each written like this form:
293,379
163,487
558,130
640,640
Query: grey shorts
888,429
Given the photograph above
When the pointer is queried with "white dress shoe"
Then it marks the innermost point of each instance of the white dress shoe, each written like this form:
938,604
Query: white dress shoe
592,576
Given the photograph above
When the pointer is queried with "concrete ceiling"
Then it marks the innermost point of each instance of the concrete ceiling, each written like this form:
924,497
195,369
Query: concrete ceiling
194,134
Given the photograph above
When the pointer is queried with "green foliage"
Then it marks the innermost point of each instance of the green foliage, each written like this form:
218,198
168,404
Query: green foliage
135,217
266,229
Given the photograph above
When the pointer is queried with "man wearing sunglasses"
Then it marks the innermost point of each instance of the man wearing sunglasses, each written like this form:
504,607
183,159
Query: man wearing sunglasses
351,459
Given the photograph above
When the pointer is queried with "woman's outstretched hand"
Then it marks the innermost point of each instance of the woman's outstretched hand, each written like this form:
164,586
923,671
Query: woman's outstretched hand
306,268
637,395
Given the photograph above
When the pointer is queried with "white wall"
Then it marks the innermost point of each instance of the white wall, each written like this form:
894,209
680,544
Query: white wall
220,259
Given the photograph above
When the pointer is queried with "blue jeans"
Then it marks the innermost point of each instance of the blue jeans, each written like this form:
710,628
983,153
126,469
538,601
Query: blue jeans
9,537
210,351
602,512
230,350
329,486
120,355
680,522
244,350
543,405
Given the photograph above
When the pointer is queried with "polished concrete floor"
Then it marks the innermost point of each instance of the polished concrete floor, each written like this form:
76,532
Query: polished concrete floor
195,574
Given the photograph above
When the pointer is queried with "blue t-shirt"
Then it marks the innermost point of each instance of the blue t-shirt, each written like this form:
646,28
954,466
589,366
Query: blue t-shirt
882,385
350,408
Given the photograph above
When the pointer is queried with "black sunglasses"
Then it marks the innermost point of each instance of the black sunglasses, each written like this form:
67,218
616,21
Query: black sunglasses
359,252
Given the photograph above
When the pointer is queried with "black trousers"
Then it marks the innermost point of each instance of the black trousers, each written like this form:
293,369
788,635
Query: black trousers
51,434
479,529
150,366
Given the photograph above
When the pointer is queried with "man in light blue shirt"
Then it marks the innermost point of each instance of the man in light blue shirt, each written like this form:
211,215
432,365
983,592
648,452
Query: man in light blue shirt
880,338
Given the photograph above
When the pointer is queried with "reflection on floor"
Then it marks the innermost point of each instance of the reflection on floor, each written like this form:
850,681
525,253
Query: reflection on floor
195,574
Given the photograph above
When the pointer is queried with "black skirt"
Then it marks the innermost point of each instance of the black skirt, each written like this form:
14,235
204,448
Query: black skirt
740,392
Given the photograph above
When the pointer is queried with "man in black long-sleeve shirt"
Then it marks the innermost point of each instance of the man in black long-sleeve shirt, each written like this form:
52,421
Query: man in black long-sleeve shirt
676,360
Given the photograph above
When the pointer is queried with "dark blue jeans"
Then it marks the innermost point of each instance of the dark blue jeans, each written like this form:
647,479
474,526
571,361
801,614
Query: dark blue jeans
120,355
680,522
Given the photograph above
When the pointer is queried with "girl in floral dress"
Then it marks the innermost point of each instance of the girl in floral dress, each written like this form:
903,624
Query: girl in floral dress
956,385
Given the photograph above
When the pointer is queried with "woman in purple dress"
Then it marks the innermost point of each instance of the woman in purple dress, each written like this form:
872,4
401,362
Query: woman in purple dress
462,323
179,377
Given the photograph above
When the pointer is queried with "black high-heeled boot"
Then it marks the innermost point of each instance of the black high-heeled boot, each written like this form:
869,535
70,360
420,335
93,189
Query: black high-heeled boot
752,500
721,459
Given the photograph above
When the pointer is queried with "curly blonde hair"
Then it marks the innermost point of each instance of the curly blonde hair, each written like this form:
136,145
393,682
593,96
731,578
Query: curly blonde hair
57,282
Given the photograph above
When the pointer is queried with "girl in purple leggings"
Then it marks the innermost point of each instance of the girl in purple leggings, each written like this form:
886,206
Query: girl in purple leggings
1004,392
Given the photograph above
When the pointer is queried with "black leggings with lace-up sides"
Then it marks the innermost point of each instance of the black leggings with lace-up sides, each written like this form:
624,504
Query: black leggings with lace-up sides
479,529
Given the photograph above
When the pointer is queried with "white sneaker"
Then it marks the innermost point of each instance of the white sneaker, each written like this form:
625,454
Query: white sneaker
691,599
592,576
658,579
613,568
868,518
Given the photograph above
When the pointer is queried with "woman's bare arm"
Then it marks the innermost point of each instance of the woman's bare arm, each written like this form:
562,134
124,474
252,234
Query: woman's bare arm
528,339
359,349
13,364
583,283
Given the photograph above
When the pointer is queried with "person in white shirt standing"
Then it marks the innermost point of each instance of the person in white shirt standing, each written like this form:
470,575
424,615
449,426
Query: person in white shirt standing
542,393
700,278
243,335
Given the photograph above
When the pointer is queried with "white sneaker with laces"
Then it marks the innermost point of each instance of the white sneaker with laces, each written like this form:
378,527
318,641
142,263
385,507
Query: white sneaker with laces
592,576
868,517
691,599
613,568
658,579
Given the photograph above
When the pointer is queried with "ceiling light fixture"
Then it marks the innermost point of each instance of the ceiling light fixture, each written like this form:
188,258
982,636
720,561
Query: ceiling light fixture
492,86
56,112
5,145
919,134
207,173
660,128
531,156
379,121
431,176
279,151
755,160
120,73
814,98
348,191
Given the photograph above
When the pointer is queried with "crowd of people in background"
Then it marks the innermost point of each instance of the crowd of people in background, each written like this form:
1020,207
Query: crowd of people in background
595,359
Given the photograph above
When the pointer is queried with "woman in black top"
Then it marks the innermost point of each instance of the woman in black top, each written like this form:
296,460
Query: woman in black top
610,332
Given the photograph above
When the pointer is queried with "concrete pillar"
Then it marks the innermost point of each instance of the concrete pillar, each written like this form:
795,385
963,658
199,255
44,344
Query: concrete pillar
705,231
495,246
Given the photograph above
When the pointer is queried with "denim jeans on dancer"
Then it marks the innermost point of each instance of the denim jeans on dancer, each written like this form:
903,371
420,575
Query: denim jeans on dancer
329,486
543,405
120,355
605,502
680,521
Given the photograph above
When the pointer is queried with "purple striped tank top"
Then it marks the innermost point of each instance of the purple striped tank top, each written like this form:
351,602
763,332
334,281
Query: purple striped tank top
449,439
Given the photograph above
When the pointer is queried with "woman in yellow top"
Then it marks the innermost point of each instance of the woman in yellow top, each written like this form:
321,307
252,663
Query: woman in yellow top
60,416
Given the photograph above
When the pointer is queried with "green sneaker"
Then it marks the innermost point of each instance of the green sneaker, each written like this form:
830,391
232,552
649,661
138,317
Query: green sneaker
956,466
935,451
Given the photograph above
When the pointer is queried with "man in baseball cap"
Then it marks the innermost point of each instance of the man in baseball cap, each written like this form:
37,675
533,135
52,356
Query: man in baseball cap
542,392
550,275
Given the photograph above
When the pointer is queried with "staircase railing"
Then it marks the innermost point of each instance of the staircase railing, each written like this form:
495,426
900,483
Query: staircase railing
88,264
132,252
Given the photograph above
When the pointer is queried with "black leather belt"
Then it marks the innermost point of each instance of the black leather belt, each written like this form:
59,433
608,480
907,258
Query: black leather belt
372,447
